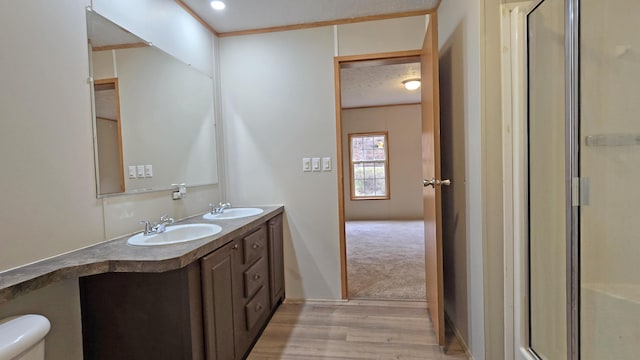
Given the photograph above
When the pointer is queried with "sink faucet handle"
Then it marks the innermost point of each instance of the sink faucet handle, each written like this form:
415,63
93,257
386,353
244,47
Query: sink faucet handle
147,226
166,219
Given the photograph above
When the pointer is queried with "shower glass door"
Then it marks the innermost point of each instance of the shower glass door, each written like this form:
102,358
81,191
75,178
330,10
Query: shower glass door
547,185
610,172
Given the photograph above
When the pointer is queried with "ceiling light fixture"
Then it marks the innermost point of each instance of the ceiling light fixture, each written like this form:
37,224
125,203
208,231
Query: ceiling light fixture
411,84
218,5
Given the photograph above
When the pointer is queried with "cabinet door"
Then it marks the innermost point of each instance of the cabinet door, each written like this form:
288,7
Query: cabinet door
217,282
130,316
276,261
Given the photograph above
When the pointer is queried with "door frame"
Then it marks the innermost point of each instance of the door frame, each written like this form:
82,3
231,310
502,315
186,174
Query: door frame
116,87
339,157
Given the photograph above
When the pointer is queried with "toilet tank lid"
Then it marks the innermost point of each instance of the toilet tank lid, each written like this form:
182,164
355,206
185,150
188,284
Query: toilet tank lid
19,333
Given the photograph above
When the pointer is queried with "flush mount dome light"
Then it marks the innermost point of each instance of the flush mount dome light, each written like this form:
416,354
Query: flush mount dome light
411,84
217,5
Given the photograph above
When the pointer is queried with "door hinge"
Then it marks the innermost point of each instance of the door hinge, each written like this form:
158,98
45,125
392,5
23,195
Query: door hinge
580,188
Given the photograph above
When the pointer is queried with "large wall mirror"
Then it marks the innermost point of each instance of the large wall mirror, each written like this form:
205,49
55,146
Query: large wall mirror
153,115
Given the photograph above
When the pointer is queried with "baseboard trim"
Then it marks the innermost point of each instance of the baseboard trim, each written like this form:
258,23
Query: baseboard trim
458,336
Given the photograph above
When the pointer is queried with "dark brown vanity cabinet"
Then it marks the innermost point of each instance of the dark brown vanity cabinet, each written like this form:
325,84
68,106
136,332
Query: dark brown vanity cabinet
218,277
276,261
212,309
233,319
133,316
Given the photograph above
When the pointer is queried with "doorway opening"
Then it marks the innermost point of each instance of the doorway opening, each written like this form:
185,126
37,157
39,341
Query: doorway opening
430,165
381,187
109,136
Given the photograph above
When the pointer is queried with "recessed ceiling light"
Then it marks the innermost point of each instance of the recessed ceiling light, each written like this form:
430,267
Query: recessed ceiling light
411,84
218,5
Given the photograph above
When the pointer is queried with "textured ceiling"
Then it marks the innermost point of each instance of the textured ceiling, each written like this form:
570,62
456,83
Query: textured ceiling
378,85
257,14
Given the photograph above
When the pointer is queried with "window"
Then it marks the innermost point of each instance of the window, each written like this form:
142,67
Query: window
369,164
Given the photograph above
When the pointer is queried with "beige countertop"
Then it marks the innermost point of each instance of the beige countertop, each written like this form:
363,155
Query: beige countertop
117,256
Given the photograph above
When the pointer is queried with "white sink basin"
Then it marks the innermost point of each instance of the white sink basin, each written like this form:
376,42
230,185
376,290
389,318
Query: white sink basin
175,234
233,213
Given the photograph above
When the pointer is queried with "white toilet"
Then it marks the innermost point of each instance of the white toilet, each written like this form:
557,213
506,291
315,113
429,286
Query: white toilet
22,337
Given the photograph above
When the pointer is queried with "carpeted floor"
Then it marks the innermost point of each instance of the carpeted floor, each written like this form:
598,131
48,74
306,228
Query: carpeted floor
385,260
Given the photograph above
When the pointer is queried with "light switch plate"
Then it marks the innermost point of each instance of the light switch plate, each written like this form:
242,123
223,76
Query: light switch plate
315,164
326,164
132,172
140,171
148,170
306,164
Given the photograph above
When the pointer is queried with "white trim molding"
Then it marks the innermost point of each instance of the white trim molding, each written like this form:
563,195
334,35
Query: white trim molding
513,41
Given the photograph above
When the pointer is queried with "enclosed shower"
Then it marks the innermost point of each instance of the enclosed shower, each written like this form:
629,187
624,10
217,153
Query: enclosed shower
571,145
581,145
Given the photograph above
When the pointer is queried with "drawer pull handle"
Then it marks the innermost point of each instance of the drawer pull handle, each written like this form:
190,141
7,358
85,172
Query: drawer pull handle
258,307
235,247
256,277
255,246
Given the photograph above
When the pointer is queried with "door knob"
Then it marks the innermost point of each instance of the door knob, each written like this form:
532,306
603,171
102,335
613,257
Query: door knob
433,182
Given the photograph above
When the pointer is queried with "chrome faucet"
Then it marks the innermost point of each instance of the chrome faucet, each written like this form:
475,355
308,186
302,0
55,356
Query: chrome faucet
156,228
219,209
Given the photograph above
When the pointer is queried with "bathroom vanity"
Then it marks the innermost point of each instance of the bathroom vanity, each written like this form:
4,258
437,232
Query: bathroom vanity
214,307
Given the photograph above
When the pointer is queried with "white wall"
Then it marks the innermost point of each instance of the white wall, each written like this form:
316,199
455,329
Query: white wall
278,107
381,36
50,205
46,139
460,41
165,24
404,126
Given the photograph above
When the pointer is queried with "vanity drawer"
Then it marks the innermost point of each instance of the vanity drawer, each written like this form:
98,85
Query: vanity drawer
255,277
257,308
254,245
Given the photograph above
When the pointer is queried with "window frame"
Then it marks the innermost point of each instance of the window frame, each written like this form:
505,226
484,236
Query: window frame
387,176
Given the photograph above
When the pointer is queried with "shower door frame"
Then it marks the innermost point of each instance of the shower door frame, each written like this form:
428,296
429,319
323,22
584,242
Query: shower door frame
572,99
515,150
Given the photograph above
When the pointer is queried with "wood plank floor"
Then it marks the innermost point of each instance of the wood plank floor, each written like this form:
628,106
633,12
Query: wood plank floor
357,329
